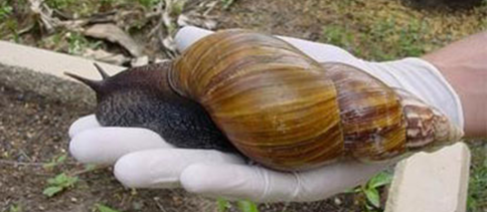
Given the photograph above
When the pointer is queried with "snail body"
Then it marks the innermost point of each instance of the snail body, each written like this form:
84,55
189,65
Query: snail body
237,90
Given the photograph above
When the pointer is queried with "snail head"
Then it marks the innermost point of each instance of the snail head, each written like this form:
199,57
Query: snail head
141,97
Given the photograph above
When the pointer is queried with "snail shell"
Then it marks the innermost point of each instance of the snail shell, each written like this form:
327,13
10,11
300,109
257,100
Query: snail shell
284,110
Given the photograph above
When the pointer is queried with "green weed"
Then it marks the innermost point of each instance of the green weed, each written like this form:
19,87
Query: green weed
77,43
149,3
59,183
55,161
11,26
15,208
477,193
242,205
338,35
64,180
103,208
227,3
5,11
223,205
371,190
382,40
247,206
60,4
178,7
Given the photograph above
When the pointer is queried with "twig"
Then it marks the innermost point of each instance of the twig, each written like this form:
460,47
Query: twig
161,207
158,13
25,155
210,7
51,23
86,170
25,30
18,163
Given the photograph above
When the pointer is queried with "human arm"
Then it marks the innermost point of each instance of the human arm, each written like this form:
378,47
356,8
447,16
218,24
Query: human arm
464,65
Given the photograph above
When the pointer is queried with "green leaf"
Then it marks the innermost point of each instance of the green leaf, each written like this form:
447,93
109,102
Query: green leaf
227,3
52,190
59,183
55,161
48,165
149,3
351,190
247,206
15,208
373,197
379,180
62,180
90,167
223,204
5,10
61,159
104,208
58,179
178,7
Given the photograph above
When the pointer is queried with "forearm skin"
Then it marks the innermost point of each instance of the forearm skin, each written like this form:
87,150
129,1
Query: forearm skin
464,65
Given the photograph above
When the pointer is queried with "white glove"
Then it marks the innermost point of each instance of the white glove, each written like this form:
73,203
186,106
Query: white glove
144,160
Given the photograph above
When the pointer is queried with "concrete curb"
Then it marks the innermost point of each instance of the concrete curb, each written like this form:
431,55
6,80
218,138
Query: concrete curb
49,62
431,182
435,182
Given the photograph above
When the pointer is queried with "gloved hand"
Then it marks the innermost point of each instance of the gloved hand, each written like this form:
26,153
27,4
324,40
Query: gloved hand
144,160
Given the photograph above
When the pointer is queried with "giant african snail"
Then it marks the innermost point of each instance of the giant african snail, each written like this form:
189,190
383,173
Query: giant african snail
276,105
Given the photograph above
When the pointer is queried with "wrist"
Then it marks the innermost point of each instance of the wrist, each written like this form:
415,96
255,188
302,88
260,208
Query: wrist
470,83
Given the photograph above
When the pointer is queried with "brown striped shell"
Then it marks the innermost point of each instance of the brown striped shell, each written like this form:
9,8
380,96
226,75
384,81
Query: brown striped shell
288,112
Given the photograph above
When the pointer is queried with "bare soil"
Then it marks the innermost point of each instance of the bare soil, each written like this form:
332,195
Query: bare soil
33,130
35,113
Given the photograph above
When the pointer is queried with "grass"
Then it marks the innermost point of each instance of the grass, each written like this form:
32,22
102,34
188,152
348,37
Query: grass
103,208
64,180
242,205
5,10
477,187
59,183
371,191
227,3
149,3
60,4
384,40
15,208
387,31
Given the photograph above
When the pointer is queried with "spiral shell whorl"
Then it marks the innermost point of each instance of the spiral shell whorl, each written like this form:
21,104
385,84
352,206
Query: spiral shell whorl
370,112
427,128
286,111
271,100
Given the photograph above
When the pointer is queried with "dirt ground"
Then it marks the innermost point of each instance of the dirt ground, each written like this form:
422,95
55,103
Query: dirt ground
33,130
34,121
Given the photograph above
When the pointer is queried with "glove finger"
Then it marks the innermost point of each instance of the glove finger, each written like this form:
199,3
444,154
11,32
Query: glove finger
105,145
188,35
161,168
259,184
83,123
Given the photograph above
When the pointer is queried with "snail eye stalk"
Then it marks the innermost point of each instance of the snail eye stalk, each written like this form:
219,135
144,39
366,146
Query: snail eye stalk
102,72
96,85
